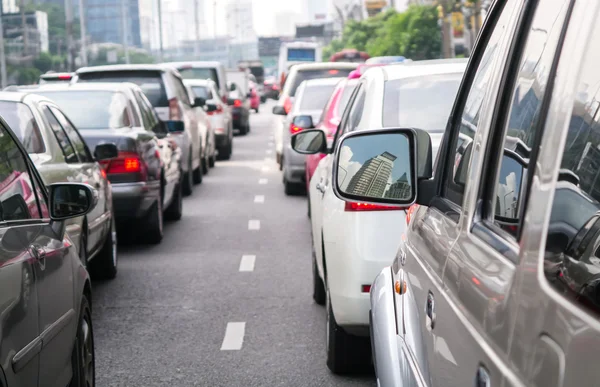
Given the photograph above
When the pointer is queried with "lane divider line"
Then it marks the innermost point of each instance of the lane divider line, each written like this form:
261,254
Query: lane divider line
265,168
253,225
269,151
263,181
247,262
259,199
234,336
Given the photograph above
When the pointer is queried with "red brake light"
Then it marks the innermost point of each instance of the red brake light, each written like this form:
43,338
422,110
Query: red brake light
294,129
410,212
237,103
333,71
174,112
126,162
350,207
65,77
366,288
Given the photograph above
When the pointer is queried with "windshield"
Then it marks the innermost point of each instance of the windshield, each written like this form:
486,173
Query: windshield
315,97
150,82
200,73
92,109
20,119
421,102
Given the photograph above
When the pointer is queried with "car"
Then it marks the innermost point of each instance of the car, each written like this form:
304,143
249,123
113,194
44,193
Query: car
296,75
271,88
53,77
329,122
146,175
200,70
255,98
239,102
311,97
219,113
495,280
46,290
62,156
353,241
170,99
207,133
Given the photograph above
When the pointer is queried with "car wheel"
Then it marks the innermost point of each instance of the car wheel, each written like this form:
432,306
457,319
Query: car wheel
319,294
82,359
292,188
308,210
345,353
212,159
198,172
205,165
175,209
104,265
154,224
188,179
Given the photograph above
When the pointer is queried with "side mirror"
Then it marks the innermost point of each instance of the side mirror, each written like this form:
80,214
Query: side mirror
174,126
70,200
309,142
199,102
377,166
211,107
279,110
106,151
303,122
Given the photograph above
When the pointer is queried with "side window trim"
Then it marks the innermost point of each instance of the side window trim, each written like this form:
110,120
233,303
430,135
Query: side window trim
87,152
47,107
345,115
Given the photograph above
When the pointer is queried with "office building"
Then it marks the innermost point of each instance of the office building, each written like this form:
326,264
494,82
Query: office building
372,177
400,189
104,22
36,30
240,25
317,11
10,6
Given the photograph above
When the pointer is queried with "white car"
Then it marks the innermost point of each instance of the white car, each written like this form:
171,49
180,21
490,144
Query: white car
353,242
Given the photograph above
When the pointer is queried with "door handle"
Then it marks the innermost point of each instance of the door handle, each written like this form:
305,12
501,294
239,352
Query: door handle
482,378
430,312
39,253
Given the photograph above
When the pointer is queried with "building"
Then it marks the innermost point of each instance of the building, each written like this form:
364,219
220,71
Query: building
375,6
221,49
36,30
240,25
9,6
400,189
105,24
179,22
286,21
373,176
317,11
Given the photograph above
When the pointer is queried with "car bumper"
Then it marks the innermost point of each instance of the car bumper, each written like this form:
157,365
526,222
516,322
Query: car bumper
238,117
386,344
133,200
294,166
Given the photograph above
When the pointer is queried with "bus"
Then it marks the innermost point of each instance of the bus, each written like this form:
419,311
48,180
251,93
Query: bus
296,52
349,55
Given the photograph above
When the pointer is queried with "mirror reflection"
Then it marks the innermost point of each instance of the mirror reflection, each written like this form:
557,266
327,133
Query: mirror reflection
376,167
69,200
310,141
508,191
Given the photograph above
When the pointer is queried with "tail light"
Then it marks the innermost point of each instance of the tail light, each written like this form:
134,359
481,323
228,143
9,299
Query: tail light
126,163
218,111
287,105
237,103
410,212
174,111
355,207
294,129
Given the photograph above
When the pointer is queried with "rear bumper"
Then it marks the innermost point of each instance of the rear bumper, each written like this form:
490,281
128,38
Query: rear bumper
239,117
294,165
133,200
221,139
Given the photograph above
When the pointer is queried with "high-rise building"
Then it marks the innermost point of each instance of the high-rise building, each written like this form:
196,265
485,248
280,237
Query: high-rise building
179,21
240,24
317,11
372,177
10,6
104,21
400,189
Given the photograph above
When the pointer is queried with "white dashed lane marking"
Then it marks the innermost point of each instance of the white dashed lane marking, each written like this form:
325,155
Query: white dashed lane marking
254,225
234,336
265,168
259,199
247,262
263,181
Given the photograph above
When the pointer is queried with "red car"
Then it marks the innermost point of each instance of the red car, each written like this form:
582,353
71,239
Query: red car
254,97
330,119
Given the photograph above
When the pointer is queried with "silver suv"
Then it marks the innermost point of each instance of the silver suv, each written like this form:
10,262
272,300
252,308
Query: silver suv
497,279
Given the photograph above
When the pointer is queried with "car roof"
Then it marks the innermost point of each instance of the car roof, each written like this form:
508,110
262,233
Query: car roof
135,67
323,81
91,86
199,82
20,96
198,64
419,68
323,65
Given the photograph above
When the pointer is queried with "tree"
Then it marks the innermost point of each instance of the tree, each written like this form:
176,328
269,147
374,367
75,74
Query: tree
44,62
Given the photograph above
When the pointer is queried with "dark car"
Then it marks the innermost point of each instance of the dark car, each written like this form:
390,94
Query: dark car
239,102
146,176
45,291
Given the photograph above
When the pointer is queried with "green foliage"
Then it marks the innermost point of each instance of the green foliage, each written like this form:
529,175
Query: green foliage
43,62
135,57
57,32
24,75
414,34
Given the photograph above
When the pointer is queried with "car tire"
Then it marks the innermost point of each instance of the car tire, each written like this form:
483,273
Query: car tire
104,265
198,172
319,293
205,165
83,357
244,130
175,209
225,151
188,178
212,159
308,206
345,353
154,224
292,189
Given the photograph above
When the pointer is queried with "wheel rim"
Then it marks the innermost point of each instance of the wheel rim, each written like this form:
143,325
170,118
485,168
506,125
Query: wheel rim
87,352
113,237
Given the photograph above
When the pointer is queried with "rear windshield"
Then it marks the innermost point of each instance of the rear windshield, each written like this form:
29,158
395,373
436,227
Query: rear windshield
316,74
151,83
20,119
257,71
200,73
346,93
202,92
421,102
92,109
315,97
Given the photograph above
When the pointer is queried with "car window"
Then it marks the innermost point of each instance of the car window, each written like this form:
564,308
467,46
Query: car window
356,110
523,127
18,200
460,155
315,97
146,120
345,121
151,83
152,117
572,257
202,92
199,73
20,119
180,90
305,75
61,136
76,140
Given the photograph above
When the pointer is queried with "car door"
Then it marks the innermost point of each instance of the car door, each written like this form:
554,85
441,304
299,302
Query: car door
445,348
88,171
21,225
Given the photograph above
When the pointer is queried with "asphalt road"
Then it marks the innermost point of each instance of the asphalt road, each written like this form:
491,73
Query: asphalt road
184,314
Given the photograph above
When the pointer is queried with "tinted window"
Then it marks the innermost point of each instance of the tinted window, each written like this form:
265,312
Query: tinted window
92,109
20,119
202,92
73,135
61,137
423,102
200,73
572,258
315,97
180,90
345,97
17,192
150,82
302,76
